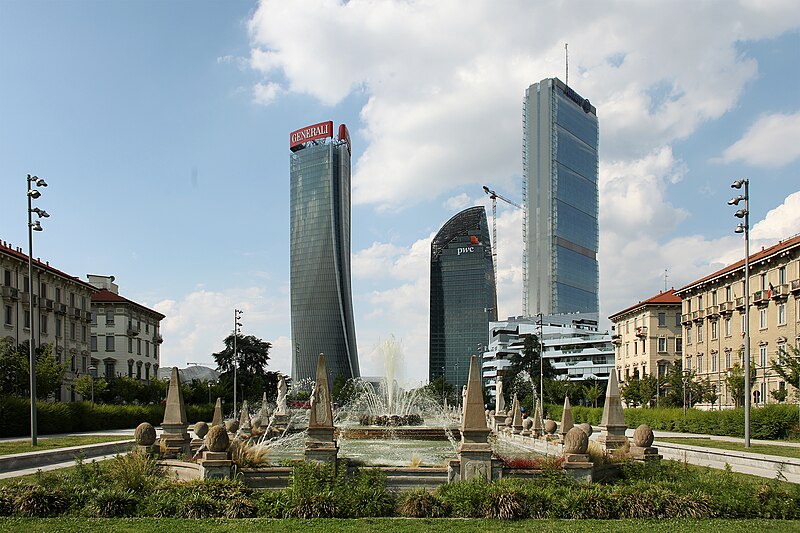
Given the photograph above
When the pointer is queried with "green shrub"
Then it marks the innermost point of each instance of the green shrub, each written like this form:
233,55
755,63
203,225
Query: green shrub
274,504
6,500
506,499
365,495
39,501
136,472
112,502
420,503
199,505
465,499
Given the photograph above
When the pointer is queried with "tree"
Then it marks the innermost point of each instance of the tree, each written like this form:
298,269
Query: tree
787,366
342,391
83,386
735,383
524,371
593,391
252,376
780,395
629,391
441,390
15,370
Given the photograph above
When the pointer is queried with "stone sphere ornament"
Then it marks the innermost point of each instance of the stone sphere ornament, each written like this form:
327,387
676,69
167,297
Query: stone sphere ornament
232,426
586,428
576,441
256,422
145,434
643,436
509,420
550,426
527,423
217,439
200,429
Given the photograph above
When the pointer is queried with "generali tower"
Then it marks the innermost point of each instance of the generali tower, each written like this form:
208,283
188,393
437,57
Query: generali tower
321,297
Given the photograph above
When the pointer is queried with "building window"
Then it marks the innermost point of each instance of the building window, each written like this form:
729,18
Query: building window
699,363
7,278
713,297
109,318
93,342
764,282
728,327
72,299
762,355
678,345
9,315
728,297
688,335
27,319
58,327
762,318
147,372
72,363
662,319
147,348
94,319
678,320
130,368
782,275
699,301
109,369
147,327
727,360
138,370
83,364
714,329
689,364
782,314
83,303
155,352
700,332
714,363
635,348
58,295
109,343
72,331
83,333
130,345
138,346
43,323
43,290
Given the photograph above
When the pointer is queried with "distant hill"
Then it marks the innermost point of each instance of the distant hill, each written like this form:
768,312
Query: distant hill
202,373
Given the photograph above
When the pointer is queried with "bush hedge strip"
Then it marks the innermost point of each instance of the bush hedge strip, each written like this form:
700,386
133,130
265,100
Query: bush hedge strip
71,417
770,422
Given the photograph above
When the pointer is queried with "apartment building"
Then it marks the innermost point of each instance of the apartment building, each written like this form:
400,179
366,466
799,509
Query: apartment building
126,336
61,312
647,337
713,319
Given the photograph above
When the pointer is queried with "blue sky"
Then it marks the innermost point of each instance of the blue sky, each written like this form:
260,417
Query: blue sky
162,129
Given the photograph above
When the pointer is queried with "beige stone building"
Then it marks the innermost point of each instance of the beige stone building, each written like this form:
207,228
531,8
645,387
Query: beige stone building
647,336
126,336
61,312
713,318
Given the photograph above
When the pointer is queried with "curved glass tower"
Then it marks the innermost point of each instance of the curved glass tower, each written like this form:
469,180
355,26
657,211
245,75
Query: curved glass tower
560,201
463,295
321,298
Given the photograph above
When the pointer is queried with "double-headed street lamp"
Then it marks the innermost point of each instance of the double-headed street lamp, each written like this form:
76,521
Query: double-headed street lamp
744,227
33,181
237,316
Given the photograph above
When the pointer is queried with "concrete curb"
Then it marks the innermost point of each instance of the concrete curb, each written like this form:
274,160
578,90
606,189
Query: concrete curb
22,461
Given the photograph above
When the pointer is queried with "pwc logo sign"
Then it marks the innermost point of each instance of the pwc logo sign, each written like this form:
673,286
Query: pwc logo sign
322,130
473,240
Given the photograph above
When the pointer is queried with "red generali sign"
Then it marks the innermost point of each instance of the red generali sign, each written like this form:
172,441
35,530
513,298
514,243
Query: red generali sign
309,133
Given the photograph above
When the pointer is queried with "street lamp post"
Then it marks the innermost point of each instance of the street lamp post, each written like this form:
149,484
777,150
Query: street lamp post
92,370
33,226
237,315
745,229
541,357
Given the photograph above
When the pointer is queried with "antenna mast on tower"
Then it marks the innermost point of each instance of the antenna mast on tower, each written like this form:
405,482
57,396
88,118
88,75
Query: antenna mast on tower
566,59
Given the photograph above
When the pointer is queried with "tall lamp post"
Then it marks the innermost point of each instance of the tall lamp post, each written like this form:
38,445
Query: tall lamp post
33,226
744,227
237,315
92,372
541,357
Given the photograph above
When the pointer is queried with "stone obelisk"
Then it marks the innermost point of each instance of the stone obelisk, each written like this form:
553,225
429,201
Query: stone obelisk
474,452
612,434
175,438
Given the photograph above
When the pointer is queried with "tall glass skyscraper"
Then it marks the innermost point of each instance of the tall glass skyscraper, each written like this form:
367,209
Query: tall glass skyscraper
463,295
321,298
560,201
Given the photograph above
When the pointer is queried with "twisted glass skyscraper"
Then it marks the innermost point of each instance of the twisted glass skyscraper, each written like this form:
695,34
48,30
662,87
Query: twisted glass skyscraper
560,201
463,295
321,298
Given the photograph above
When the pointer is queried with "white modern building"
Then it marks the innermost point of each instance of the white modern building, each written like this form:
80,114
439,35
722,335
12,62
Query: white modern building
572,343
126,336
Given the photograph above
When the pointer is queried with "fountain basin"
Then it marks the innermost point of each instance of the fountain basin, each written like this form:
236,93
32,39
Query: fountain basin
425,433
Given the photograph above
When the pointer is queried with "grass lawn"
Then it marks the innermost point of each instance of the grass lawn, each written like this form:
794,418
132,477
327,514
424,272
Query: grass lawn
49,443
766,449
137,525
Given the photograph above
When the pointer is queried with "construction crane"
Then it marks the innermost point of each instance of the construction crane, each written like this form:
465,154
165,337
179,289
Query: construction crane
494,196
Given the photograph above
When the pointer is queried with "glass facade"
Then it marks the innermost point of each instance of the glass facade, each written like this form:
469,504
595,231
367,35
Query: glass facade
321,297
560,200
463,296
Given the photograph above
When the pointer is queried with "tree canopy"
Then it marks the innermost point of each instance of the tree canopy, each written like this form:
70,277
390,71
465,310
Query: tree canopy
15,370
252,376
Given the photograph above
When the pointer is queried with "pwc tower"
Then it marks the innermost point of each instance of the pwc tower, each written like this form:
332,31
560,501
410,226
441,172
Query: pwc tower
321,297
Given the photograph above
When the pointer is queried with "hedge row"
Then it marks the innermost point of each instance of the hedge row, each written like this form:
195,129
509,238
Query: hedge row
71,417
769,422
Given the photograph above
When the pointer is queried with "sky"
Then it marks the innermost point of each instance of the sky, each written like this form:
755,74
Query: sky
162,130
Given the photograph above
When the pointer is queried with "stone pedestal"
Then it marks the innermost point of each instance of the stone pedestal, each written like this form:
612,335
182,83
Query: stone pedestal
498,421
578,466
320,446
151,449
645,454
174,446
215,465
280,422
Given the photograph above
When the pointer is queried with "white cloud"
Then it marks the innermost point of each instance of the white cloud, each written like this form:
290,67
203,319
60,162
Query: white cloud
458,203
266,93
771,142
442,83
197,323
